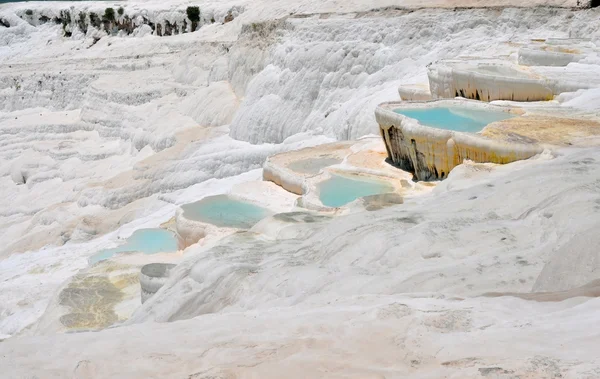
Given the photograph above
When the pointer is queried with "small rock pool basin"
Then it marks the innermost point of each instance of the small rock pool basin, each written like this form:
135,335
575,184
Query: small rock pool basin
313,165
459,119
340,190
224,211
147,241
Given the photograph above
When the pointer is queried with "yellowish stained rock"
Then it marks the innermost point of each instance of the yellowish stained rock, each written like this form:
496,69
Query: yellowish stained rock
430,153
545,130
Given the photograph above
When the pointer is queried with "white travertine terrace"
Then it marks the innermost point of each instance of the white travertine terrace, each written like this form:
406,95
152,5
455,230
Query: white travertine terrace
556,51
193,231
102,134
430,153
189,231
414,92
279,168
284,178
489,80
263,194
302,171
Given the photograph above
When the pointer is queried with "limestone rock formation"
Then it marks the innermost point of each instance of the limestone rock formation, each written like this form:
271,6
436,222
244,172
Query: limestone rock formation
430,153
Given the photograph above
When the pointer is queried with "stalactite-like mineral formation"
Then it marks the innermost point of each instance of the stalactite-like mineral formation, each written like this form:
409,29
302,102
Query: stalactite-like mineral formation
430,153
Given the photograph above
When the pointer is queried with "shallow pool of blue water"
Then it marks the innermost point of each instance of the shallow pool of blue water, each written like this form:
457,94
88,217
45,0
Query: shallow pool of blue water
223,211
147,241
455,118
340,190
313,165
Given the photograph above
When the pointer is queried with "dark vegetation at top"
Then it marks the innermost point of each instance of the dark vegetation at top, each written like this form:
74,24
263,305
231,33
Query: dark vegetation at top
109,14
193,13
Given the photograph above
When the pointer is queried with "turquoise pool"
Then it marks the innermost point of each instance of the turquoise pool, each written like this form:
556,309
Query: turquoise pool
147,241
223,211
455,118
340,190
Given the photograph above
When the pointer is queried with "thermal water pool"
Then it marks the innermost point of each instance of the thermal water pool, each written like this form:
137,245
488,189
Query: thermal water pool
147,241
459,119
340,190
313,165
223,211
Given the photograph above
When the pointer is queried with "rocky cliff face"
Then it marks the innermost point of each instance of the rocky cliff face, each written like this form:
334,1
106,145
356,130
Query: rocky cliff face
85,20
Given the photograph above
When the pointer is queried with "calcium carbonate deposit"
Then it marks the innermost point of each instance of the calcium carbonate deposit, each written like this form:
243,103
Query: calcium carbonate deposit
361,243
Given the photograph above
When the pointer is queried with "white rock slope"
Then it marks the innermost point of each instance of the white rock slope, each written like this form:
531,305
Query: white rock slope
99,138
